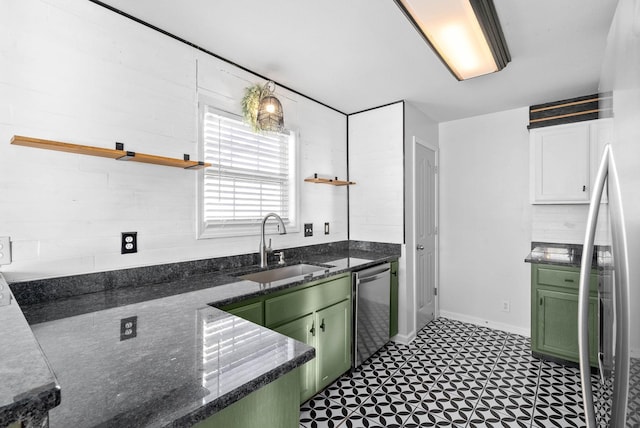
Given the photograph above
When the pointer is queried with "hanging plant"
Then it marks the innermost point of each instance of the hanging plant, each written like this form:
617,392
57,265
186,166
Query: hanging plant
250,103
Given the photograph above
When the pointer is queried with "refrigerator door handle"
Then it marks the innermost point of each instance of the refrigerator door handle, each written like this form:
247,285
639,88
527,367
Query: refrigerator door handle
621,298
583,291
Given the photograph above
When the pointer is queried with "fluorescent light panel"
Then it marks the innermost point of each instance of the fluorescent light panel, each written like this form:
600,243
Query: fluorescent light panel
465,34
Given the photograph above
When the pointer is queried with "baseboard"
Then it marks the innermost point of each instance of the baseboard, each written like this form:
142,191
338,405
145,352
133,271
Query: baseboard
404,339
484,323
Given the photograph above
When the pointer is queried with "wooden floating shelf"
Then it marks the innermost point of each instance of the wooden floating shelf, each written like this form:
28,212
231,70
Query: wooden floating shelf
117,154
332,181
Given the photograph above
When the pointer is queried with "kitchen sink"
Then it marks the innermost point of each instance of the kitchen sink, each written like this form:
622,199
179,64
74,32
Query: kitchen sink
282,273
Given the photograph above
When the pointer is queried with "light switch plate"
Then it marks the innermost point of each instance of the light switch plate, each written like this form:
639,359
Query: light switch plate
5,250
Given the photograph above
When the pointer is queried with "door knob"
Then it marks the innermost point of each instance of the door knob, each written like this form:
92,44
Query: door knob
420,247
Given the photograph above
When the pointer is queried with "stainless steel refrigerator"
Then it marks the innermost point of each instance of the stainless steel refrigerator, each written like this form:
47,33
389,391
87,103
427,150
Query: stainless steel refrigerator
612,397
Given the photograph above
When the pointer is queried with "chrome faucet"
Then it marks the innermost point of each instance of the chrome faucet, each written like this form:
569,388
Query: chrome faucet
263,248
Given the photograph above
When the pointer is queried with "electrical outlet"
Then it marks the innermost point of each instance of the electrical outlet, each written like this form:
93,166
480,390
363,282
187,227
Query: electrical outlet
128,328
506,306
129,243
5,250
326,228
308,229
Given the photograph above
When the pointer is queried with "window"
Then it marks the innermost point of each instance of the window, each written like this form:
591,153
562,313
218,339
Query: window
250,176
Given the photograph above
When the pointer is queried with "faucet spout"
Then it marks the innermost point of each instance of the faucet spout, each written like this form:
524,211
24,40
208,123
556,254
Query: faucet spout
263,247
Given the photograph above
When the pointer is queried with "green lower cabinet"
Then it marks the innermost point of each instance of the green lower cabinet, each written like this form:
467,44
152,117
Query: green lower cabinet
303,330
329,331
333,342
273,406
318,314
393,311
554,313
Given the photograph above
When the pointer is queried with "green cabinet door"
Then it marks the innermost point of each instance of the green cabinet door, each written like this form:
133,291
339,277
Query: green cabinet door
333,349
557,325
393,312
303,330
253,312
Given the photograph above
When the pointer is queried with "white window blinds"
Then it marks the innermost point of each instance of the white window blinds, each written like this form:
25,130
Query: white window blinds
250,176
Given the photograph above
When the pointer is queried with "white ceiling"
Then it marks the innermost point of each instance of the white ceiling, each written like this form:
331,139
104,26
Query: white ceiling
357,54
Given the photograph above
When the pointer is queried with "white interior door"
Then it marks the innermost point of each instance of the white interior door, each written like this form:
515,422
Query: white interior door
425,230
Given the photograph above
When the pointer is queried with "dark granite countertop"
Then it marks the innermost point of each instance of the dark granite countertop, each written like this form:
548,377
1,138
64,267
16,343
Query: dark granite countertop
156,379
186,362
28,387
567,255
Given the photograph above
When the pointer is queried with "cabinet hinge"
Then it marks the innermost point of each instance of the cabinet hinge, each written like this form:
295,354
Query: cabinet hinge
435,291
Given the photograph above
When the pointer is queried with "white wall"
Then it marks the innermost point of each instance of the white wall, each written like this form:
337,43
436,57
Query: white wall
74,72
485,219
376,165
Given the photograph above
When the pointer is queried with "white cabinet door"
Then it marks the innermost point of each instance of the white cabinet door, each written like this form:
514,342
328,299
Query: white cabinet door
560,171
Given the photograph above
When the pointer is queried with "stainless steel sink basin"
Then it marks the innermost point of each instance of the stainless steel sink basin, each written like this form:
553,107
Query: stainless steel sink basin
282,273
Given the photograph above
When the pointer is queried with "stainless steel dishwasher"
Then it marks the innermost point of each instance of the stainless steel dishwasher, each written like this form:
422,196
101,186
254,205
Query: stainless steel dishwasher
371,297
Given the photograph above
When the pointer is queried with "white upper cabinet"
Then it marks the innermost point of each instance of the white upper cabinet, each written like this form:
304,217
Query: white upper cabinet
564,161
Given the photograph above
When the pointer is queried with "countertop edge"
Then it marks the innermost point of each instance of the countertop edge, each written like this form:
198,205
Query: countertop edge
33,401
33,406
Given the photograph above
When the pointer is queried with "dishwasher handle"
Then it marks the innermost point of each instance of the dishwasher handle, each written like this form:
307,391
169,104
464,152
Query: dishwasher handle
372,272
362,280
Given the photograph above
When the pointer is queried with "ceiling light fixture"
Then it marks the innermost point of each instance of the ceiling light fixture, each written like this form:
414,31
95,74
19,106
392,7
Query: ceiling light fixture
270,116
465,34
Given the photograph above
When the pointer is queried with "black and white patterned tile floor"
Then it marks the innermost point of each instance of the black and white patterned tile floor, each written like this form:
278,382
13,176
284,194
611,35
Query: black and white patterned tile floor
455,375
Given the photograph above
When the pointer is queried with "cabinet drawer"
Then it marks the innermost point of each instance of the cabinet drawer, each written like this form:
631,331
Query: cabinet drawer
559,277
299,303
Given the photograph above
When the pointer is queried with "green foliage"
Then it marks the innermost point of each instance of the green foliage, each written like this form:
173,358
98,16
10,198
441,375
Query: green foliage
250,103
